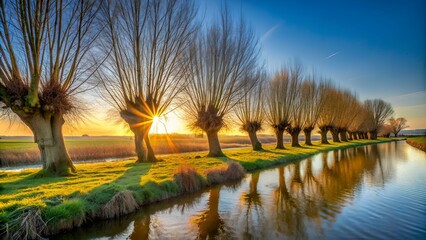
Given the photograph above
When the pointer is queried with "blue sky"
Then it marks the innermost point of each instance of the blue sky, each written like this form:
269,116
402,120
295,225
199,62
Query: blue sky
376,48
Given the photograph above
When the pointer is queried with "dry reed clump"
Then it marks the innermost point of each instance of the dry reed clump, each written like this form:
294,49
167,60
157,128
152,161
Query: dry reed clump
233,171
122,203
27,224
188,179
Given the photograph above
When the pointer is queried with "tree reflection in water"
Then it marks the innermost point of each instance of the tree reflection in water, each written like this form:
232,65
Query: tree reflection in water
298,200
209,222
309,198
253,215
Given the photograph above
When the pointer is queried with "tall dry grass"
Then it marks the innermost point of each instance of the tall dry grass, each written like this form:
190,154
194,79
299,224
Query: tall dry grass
97,148
188,179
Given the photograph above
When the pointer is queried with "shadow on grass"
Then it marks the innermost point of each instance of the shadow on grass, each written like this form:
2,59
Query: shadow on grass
130,179
30,181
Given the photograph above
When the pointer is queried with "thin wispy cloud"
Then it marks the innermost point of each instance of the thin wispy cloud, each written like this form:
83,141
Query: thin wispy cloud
268,33
332,55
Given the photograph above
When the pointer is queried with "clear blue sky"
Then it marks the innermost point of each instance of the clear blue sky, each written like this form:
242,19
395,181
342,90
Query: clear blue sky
376,48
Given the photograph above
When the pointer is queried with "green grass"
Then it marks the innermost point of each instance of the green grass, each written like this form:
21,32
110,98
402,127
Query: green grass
418,142
419,139
71,198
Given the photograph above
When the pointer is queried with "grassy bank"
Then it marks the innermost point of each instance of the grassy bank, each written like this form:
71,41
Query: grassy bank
418,142
110,189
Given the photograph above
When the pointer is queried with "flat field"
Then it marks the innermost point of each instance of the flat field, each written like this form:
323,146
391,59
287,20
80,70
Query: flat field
18,151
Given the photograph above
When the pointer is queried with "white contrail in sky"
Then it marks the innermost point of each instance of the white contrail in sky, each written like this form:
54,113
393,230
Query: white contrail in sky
332,55
268,33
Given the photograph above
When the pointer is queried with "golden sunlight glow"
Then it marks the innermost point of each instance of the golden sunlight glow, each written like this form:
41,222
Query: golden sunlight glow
155,120
155,125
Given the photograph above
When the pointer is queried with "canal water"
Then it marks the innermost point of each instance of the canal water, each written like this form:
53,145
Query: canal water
369,192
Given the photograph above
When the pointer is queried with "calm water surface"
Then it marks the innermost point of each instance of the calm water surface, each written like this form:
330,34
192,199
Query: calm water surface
370,192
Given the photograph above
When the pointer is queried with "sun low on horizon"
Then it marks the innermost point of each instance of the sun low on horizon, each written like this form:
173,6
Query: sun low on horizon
212,119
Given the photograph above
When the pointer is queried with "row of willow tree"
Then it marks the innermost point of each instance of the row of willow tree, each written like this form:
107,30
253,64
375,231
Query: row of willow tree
293,103
146,56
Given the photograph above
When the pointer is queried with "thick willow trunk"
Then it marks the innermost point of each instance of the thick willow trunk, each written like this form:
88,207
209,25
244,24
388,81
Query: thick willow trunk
355,136
323,133
308,133
373,135
294,133
343,135
256,145
279,134
335,135
140,146
214,145
48,135
150,151
144,151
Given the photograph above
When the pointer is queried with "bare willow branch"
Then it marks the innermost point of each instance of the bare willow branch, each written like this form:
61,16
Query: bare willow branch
220,58
250,111
145,42
44,48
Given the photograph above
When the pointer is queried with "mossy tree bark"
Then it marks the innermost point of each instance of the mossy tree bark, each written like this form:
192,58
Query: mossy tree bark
255,143
47,129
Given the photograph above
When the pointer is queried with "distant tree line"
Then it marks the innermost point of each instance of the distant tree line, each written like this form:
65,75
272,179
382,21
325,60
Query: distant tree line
149,57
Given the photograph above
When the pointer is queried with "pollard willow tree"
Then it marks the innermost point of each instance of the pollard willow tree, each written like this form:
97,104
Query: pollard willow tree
296,114
356,125
281,94
44,49
345,113
398,124
338,103
250,111
313,102
377,113
146,42
221,56
327,114
351,111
